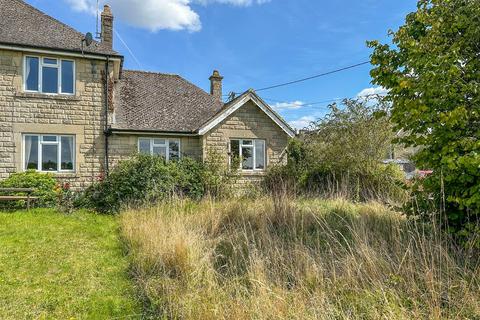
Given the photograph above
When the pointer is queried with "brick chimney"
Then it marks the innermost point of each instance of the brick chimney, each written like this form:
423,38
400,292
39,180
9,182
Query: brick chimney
216,85
107,26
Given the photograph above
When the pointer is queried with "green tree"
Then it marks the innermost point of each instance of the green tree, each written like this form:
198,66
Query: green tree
432,72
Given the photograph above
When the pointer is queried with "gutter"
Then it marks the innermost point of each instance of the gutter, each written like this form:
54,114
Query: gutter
153,132
53,51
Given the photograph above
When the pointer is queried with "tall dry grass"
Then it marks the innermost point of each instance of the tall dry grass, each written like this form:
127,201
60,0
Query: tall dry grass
285,259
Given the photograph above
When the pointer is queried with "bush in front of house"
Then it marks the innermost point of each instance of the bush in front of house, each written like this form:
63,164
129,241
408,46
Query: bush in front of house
44,184
143,180
219,178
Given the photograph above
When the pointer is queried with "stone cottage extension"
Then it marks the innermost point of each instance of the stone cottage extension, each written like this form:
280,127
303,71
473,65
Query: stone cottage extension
71,109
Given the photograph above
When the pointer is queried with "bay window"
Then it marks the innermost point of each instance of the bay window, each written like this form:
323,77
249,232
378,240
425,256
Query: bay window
249,153
49,153
169,149
49,75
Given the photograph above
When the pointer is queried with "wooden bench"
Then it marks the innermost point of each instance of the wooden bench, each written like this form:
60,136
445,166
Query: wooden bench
27,197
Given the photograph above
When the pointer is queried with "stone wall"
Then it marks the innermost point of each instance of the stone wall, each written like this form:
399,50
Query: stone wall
248,122
80,115
122,146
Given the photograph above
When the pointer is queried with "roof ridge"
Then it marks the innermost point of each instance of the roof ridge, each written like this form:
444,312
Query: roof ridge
152,72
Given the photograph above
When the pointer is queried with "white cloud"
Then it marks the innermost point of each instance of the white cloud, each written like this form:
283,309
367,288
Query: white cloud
153,15
372,91
302,122
156,15
288,105
81,5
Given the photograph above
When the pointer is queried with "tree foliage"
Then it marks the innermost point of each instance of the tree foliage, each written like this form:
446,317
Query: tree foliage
341,155
353,136
432,72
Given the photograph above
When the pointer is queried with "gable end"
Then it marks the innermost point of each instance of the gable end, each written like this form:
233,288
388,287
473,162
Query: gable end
240,102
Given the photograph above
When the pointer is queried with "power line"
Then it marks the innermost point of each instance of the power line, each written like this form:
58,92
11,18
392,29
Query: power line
293,105
304,103
313,77
303,79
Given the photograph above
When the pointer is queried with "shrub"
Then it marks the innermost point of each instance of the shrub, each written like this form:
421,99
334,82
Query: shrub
341,155
218,178
280,179
383,183
145,179
188,177
380,182
44,184
66,198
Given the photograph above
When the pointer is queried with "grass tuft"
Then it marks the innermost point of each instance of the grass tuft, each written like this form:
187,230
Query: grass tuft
296,259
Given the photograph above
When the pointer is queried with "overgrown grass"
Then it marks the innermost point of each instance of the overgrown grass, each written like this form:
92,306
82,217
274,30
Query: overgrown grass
284,259
56,266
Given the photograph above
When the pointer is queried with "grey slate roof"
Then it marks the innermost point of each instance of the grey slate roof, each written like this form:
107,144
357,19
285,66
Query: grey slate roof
21,24
161,102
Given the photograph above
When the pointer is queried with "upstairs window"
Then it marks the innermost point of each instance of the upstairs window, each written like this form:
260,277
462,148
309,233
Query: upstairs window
249,153
49,153
169,149
49,75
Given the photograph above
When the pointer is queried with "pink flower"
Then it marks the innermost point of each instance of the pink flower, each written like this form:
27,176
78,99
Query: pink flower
101,177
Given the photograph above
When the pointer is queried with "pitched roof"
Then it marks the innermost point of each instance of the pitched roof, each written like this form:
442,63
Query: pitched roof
21,24
161,102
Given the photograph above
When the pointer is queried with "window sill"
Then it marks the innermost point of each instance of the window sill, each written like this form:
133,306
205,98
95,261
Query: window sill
34,95
64,174
253,173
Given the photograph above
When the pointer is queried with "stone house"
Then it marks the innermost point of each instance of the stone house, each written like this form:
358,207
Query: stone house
67,106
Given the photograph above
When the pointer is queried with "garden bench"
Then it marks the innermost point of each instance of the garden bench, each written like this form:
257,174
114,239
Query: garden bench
27,197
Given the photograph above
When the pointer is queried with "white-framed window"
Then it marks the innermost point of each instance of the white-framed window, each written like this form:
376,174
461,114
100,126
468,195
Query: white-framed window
49,75
167,148
49,152
249,153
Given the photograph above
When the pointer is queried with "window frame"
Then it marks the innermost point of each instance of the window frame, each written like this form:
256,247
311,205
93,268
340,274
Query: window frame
58,143
58,66
166,145
254,156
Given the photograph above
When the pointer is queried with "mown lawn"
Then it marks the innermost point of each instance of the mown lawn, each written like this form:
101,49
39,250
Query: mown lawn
56,266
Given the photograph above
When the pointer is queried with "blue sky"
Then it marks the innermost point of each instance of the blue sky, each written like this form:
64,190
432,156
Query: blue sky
253,43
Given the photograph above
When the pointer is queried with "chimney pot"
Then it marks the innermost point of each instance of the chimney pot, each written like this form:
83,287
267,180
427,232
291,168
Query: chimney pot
216,85
107,26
